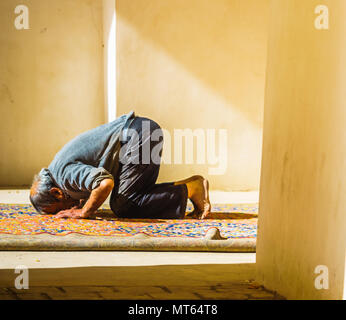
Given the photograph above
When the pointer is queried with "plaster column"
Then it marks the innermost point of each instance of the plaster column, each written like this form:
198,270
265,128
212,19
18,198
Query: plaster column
303,181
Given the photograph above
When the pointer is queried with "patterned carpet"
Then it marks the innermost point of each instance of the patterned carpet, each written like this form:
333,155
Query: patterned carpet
232,222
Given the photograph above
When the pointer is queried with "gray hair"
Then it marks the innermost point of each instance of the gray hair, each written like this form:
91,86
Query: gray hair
42,197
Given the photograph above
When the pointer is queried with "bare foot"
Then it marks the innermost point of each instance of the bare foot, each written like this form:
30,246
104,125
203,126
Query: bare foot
198,193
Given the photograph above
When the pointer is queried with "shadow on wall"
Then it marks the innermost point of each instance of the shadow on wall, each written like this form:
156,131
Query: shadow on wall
51,82
197,64
216,41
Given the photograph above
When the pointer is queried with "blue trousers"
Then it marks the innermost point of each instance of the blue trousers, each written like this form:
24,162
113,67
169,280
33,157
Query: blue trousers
136,193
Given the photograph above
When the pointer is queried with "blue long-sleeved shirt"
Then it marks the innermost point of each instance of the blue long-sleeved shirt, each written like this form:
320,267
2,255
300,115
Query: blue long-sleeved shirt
86,160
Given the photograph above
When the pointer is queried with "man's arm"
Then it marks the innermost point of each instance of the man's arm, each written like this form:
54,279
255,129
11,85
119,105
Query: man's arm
97,197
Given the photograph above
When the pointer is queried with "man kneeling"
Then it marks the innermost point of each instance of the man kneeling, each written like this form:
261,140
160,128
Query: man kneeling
122,157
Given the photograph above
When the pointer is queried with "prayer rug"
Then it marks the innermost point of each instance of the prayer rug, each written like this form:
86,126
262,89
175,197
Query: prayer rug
228,228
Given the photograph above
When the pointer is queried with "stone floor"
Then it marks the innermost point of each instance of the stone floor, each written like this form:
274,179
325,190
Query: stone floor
132,275
241,290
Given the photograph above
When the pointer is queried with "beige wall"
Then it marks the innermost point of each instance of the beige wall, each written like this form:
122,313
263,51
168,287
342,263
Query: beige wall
303,183
197,64
51,82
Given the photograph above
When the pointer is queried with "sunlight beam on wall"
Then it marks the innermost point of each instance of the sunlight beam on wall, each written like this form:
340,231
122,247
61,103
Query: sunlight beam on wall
109,17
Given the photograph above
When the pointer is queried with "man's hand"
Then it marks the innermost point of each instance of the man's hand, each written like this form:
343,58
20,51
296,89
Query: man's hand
73,213
97,197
